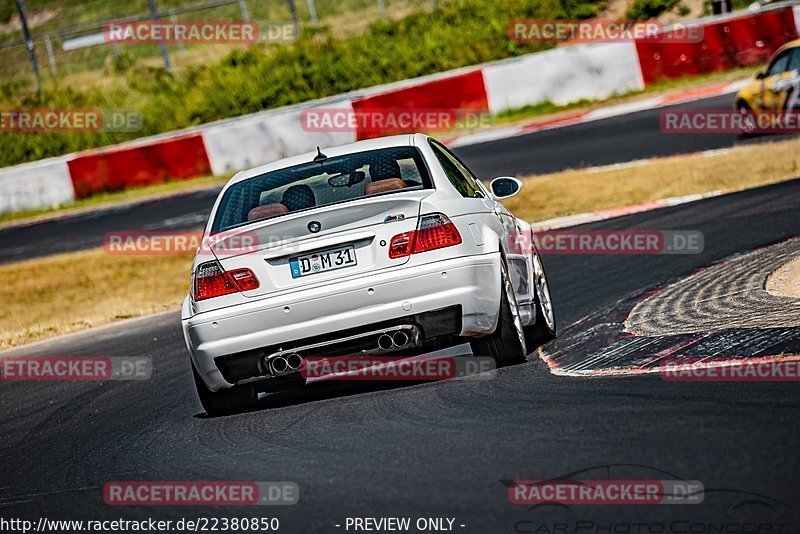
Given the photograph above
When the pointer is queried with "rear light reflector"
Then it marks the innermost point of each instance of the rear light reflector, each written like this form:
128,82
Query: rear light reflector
434,231
210,281
245,279
401,245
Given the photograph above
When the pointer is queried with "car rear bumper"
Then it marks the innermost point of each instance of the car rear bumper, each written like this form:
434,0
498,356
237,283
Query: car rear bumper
471,282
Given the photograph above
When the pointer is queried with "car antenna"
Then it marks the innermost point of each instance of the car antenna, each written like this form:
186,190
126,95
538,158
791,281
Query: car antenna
320,156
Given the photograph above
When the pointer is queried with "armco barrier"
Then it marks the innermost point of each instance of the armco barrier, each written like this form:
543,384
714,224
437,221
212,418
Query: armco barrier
734,41
135,165
460,91
41,184
563,75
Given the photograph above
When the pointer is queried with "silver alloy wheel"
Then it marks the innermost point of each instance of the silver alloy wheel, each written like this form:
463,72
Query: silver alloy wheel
543,293
512,303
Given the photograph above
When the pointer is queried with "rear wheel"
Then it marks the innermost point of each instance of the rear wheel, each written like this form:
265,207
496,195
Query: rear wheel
544,328
507,344
223,401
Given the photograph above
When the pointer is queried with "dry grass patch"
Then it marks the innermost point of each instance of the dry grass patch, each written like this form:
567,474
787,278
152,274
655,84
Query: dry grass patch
579,191
70,292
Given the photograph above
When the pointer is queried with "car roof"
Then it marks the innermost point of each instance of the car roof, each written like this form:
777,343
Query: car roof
350,148
791,44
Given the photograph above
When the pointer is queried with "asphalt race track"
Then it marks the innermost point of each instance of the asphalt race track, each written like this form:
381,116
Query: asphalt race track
607,141
442,449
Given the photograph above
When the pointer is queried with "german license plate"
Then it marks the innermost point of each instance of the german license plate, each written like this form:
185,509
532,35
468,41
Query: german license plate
320,262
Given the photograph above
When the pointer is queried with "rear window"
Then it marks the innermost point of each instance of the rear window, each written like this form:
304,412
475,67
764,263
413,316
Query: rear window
315,184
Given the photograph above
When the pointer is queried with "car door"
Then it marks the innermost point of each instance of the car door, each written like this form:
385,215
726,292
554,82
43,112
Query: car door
776,82
791,99
468,185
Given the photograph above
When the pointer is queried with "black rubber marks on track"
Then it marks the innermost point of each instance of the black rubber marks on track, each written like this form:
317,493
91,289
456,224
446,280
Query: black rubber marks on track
718,315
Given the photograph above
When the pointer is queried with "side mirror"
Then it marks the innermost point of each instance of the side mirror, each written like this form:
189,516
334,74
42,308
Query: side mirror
505,186
761,75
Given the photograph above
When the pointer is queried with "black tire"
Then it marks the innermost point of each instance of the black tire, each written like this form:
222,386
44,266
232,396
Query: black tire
225,401
506,345
540,332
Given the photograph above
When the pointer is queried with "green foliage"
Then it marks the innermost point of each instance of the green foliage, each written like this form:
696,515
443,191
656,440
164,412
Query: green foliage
648,9
457,34
119,63
7,10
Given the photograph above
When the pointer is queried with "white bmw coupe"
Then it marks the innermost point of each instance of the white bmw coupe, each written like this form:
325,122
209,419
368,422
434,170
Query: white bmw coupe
388,246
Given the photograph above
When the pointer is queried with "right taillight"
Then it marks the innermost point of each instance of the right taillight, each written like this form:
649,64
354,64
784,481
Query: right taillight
434,231
210,281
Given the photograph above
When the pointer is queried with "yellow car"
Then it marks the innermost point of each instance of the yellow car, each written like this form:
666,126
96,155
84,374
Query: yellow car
777,88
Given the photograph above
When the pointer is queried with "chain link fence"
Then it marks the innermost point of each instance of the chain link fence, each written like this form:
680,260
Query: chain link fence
69,41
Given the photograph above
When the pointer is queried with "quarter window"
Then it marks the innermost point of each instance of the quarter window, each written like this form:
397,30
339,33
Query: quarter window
458,174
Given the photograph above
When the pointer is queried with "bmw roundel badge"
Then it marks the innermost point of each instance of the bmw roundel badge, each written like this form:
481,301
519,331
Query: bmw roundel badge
314,227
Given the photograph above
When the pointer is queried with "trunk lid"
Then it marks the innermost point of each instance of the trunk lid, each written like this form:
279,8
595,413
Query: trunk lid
348,244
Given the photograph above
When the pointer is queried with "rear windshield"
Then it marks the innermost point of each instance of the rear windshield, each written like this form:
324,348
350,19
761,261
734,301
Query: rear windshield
315,184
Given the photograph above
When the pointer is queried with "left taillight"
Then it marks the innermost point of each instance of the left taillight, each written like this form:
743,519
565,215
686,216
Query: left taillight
211,280
434,231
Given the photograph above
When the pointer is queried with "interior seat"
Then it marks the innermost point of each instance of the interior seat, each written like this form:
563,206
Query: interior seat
266,211
385,176
299,197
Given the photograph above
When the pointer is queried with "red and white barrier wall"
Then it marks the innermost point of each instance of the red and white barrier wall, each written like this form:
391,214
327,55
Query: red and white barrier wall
561,75
36,185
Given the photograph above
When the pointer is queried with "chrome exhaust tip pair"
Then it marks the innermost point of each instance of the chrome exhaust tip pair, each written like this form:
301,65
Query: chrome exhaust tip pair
281,364
397,339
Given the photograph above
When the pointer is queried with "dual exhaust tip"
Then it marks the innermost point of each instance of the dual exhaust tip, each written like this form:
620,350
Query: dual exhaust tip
292,362
281,364
397,340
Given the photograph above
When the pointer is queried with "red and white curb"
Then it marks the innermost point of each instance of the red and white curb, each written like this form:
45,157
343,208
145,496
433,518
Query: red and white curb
597,114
